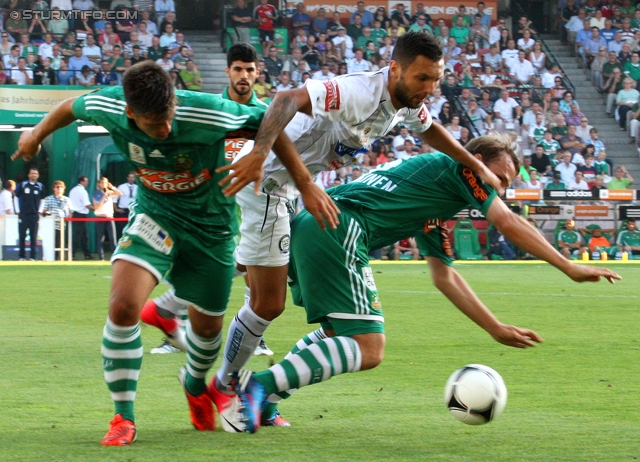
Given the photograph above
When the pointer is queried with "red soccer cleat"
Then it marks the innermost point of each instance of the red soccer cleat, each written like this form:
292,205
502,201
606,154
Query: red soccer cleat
200,407
121,433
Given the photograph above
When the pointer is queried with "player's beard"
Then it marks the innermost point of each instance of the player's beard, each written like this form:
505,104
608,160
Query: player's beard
241,90
402,95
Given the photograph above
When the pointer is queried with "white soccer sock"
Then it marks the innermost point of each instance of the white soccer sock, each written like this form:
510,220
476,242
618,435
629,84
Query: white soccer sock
245,332
167,304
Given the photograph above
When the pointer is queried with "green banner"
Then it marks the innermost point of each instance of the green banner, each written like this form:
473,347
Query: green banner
27,105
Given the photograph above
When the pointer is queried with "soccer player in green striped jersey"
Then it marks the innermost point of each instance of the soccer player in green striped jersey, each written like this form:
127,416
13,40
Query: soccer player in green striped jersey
331,277
181,225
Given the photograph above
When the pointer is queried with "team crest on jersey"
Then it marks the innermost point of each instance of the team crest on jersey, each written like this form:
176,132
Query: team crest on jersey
284,243
124,242
136,154
367,130
182,162
332,101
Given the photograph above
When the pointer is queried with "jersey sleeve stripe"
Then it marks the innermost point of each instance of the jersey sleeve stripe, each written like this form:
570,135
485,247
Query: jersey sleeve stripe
211,122
212,112
103,104
103,109
219,118
110,100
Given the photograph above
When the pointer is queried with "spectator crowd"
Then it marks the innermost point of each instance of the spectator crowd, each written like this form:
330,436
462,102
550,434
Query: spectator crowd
497,78
88,48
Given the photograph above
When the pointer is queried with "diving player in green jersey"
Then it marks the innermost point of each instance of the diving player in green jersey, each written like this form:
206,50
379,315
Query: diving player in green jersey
400,199
181,226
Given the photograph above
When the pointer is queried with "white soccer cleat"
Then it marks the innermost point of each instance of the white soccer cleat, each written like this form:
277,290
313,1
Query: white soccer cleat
228,407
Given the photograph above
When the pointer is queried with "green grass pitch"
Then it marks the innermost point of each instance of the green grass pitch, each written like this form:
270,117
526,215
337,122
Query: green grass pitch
573,398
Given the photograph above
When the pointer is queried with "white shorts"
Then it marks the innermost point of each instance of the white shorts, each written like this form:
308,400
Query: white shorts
264,230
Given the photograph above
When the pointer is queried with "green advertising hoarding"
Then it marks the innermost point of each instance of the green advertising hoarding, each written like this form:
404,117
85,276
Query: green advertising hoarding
281,39
27,105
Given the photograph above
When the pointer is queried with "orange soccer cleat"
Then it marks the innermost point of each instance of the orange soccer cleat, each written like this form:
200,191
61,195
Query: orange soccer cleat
121,433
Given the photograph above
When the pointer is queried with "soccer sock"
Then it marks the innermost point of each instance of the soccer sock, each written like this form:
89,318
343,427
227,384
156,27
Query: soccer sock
201,354
274,399
121,361
316,363
169,307
245,332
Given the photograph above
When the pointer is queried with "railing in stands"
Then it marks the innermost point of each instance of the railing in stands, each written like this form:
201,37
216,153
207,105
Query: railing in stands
518,11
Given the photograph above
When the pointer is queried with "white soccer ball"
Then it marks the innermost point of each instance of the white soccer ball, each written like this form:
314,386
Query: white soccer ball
475,394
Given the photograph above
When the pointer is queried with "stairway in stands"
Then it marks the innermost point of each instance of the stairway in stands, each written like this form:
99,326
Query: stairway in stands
210,59
616,141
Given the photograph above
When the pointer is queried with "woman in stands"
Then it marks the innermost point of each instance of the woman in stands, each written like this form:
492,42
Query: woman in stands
538,58
488,77
505,36
559,88
567,101
454,126
331,55
446,114
381,15
526,42
473,58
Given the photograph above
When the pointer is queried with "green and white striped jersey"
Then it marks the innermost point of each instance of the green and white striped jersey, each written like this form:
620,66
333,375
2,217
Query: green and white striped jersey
177,176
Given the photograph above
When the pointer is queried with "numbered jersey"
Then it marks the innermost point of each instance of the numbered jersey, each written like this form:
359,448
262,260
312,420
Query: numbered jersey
177,175
413,197
349,113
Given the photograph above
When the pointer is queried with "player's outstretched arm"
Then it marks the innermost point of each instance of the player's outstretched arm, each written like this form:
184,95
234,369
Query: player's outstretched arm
520,233
30,140
456,289
439,138
281,110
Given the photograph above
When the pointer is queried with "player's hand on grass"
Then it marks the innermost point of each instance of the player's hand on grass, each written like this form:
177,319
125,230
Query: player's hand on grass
319,204
515,336
585,273
243,171
28,146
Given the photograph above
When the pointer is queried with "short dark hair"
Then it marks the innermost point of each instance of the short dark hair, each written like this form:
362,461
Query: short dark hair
413,44
148,90
243,52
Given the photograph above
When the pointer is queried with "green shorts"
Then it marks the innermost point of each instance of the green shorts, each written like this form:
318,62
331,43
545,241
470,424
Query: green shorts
199,269
331,277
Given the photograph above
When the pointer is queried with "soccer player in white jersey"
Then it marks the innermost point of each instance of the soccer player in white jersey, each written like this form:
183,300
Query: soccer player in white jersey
331,123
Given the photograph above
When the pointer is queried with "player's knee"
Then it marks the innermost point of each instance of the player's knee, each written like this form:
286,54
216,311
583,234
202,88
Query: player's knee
372,349
123,310
372,358
206,330
268,308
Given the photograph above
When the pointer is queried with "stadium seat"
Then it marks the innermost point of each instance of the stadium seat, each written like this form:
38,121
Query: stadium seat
466,243
559,227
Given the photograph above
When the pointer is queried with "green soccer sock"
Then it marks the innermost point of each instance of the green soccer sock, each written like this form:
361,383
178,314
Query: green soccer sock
201,355
121,361
269,411
317,363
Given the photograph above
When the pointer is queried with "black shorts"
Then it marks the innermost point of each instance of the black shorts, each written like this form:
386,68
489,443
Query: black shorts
265,35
